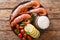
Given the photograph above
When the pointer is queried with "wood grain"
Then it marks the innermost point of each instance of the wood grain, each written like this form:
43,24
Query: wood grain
8,35
13,3
53,12
9,3
5,14
4,25
50,35
54,25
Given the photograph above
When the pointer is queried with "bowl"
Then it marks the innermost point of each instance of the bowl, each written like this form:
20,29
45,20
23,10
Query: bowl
41,30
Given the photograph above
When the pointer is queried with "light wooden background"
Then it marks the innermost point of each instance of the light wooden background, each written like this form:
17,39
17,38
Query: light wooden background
53,10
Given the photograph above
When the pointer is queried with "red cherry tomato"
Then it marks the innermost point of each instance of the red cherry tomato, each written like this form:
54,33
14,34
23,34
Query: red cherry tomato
25,35
21,27
22,31
19,35
29,38
23,38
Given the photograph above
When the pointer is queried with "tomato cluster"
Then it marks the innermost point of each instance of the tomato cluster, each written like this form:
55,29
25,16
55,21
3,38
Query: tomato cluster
21,32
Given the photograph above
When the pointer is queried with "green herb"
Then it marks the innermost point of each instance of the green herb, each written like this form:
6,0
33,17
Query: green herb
30,19
28,32
22,24
17,31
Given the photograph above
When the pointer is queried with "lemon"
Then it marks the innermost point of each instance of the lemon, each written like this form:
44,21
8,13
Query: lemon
33,32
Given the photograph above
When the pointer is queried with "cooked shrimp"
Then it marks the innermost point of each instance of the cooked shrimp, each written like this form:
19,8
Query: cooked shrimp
40,11
20,18
33,4
18,11
24,8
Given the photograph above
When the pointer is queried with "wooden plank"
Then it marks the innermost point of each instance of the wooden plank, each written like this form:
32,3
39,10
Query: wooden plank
50,3
8,35
9,3
50,35
4,25
45,3
54,25
53,13
5,14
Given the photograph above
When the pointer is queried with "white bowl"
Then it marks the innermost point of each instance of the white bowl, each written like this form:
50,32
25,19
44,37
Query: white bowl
42,22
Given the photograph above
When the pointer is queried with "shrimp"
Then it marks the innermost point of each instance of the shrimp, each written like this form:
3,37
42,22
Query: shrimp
40,11
33,4
20,18
18,11
24,8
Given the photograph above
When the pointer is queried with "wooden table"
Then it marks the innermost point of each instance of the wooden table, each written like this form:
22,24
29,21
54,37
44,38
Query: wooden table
53,10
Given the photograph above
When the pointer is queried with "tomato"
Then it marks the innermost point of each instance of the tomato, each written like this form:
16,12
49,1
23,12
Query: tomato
19,35
21,27
23,38
25,35
29,38
22,31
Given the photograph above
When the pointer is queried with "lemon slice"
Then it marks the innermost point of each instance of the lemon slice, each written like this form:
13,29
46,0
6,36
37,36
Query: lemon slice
36,34
29,28
32,31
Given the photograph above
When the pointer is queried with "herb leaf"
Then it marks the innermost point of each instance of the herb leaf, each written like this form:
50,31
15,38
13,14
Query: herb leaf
17,31
30,19
22,24
28,32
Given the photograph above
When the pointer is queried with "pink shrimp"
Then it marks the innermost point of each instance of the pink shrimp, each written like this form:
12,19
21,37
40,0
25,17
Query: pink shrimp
24,8
33,4
40,11
20,18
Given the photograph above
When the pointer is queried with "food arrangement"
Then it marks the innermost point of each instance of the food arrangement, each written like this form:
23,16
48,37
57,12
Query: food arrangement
22,20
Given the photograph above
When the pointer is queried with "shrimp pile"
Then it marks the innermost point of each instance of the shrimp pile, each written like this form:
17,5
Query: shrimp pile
22,14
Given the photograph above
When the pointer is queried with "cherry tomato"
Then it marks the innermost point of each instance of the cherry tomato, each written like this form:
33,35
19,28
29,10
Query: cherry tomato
25,35
19,35
23,38
22,31
29,38
21,27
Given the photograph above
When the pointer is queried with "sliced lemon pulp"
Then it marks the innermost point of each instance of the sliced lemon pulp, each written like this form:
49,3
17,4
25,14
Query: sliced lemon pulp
32,31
